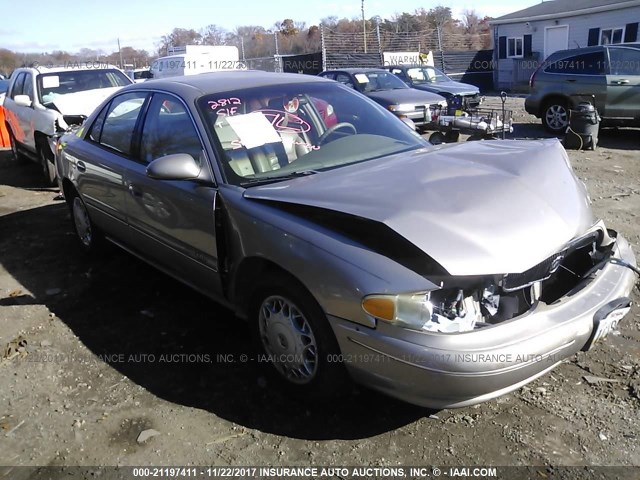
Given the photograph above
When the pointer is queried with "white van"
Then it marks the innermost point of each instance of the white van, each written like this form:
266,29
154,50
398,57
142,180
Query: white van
194,59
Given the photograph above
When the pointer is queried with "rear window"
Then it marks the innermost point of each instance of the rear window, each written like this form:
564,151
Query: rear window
52,85
585,64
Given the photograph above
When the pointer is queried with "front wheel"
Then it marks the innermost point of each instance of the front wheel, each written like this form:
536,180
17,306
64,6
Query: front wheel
295,339
556,116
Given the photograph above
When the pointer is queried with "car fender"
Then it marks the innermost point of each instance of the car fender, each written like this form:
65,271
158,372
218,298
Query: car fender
45,120
337,272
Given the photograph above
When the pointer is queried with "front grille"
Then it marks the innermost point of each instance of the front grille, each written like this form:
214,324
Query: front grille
542,271
546,268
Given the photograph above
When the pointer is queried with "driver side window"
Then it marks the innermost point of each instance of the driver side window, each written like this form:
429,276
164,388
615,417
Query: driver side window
345,80
116,133
168,129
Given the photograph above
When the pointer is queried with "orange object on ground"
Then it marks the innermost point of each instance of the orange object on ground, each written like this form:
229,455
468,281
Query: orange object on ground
4,134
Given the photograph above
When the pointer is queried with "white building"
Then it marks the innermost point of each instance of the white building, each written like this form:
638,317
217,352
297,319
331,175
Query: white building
525,38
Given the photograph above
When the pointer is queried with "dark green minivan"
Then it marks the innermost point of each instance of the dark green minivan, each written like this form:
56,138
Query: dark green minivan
610,74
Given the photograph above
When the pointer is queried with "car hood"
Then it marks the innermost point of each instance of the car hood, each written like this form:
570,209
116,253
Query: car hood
454,88
82,103
404,95
478,208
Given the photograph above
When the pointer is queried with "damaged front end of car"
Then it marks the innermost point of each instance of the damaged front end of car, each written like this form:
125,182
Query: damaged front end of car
477,338
487,271
466,303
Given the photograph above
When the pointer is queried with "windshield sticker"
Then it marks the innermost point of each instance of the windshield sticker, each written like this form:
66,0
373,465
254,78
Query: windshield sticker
51,81
253,129
292,105
362,78
310,146
225,106
286,122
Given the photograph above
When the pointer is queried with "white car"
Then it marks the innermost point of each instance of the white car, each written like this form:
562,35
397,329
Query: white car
4,84
139,75
41,102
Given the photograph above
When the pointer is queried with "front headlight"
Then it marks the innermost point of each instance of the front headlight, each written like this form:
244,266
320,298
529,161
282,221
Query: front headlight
403,107
410,310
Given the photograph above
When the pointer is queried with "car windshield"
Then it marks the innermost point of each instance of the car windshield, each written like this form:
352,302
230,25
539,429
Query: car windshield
277,132
52,85
378,81
426,75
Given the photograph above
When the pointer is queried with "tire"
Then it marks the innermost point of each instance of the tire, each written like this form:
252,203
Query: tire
90,237
437,138
294,335
45,159
452,136
555,116
475,138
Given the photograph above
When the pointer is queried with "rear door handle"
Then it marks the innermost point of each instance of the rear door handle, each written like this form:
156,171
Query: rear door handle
572,80
624,81
81,166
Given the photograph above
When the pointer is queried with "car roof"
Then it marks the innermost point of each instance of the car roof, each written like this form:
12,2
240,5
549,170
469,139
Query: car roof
593,48
223,81
356,70
75,67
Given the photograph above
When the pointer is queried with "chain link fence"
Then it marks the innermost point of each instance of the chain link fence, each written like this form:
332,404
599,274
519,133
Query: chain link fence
360,49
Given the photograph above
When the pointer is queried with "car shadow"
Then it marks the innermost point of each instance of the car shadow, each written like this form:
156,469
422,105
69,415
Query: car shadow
23,173
530,131
619,138
615,138
177,344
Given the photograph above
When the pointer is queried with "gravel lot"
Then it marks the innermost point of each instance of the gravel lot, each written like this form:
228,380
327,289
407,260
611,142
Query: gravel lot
114,348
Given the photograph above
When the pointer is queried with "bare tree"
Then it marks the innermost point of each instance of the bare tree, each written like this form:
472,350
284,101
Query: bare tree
8,61
214,35
179,37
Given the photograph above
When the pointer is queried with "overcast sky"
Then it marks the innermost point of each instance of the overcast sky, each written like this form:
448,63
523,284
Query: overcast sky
42,25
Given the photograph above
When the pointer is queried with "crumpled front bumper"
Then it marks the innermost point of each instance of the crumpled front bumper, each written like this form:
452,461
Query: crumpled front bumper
455,370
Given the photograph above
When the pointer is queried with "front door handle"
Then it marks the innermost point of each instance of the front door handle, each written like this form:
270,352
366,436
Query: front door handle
81,166
624,81
134,190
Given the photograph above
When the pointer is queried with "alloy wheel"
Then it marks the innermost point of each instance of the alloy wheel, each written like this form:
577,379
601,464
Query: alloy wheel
556,117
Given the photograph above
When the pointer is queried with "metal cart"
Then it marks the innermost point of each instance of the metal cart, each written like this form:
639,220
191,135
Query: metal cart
480,124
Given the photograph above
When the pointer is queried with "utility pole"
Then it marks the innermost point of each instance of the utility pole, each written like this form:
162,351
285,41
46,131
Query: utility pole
120,53
364,27
277,59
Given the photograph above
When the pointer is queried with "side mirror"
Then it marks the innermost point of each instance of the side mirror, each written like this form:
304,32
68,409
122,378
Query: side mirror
179,166
22,100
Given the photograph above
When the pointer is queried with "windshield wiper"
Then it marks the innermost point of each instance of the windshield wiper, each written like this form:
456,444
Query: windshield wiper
277,178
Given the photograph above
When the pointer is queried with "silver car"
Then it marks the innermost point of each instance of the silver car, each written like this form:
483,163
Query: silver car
442,275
